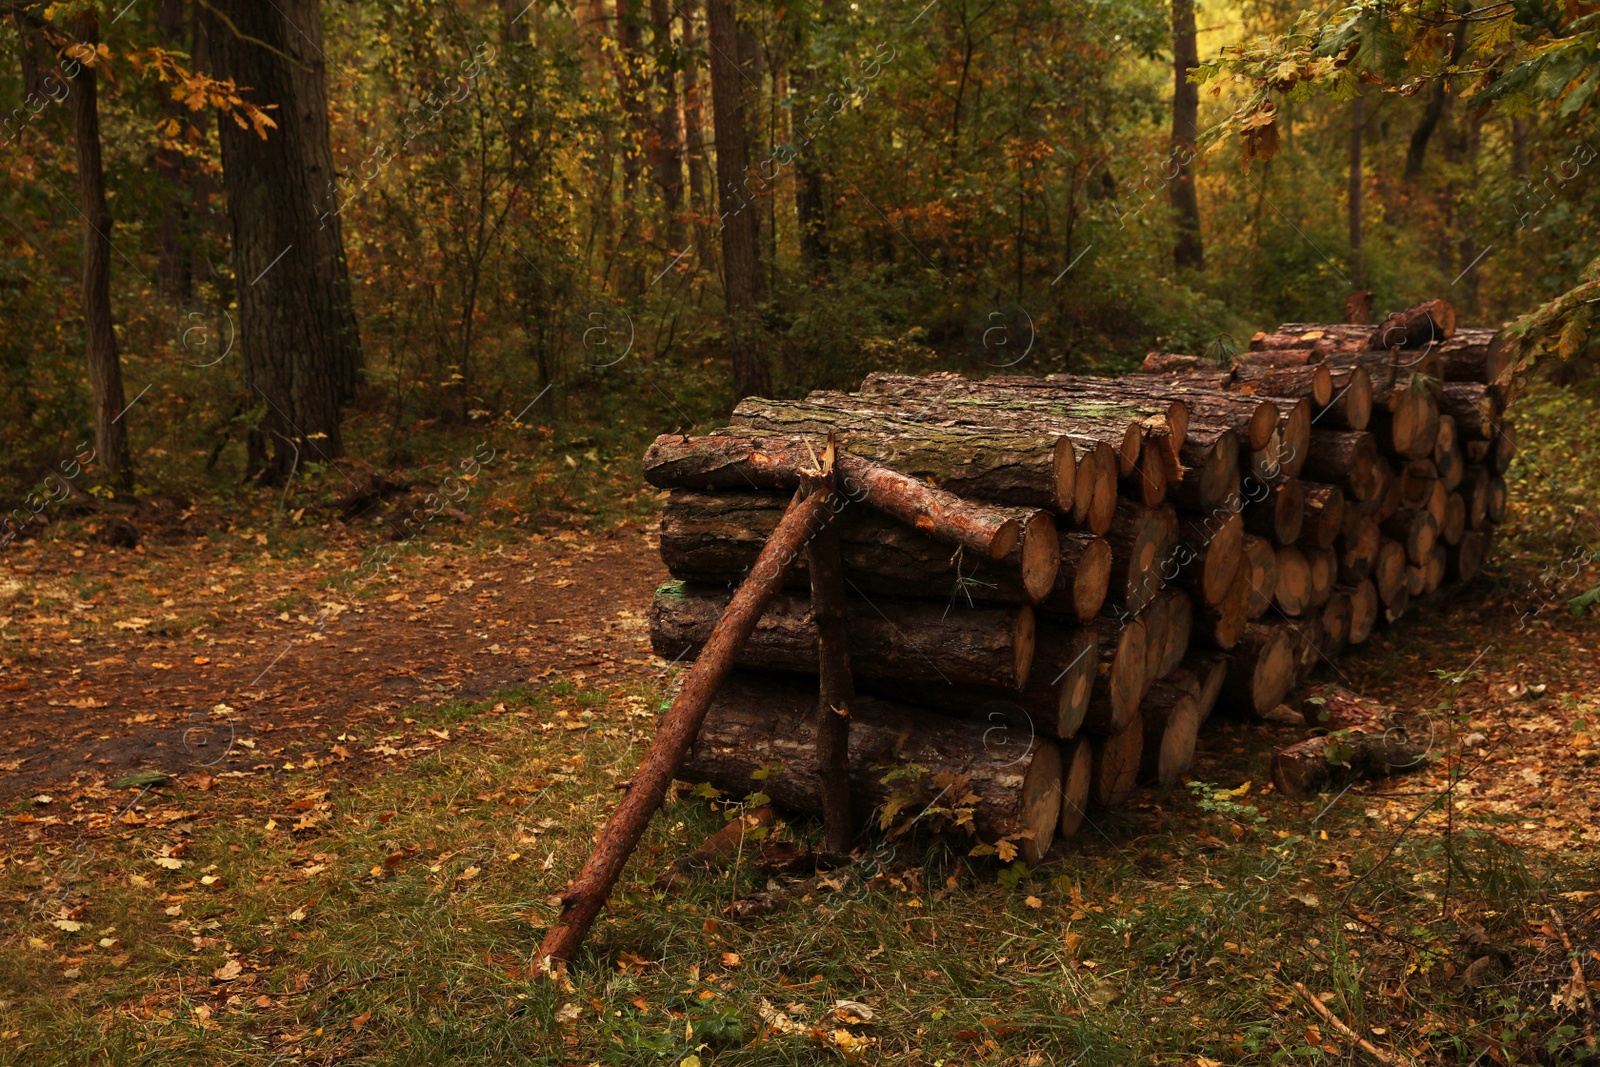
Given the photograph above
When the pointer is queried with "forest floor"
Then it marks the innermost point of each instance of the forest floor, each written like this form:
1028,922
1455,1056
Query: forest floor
372,792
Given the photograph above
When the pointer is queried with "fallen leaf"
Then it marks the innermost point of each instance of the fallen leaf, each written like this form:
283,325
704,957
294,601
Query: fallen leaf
228,971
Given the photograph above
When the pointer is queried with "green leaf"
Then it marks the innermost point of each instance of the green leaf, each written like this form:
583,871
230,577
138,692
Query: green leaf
141,780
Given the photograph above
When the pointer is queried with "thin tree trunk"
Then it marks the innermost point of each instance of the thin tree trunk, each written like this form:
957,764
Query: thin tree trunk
740,215
809,207
298,332
1358,118
1437,102
1188,251
105,363
693,121
668,159
174,271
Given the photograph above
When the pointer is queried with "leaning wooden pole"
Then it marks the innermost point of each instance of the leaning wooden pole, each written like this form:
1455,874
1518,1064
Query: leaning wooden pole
581,903
836,685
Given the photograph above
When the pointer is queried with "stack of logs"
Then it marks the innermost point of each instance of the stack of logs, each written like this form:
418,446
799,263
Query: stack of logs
1052,582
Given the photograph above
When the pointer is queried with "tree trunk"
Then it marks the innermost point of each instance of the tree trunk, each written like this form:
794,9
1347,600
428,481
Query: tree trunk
694,140
757,723
740,214
1188,252
297,325
174,261
105,362
913,640
1358,120
667,157
836,692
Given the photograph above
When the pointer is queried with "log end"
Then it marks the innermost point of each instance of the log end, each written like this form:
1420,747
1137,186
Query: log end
1041,555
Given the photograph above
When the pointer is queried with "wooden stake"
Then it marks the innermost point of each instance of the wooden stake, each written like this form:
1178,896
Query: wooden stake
581,903
836,689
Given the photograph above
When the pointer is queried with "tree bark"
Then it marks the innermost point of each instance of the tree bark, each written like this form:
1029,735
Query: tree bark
1188,251
1029,469
174,262
757,723
835,685
667,157
714,538
581,903
740,215
1358,121
105,362
297,325
909,640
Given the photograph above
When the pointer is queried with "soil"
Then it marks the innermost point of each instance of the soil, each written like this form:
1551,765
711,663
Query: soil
92,689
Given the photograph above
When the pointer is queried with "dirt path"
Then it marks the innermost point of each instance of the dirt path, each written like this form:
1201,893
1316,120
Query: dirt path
181,661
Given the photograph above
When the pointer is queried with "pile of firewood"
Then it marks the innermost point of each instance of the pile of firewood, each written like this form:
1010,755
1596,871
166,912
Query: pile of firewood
1048,584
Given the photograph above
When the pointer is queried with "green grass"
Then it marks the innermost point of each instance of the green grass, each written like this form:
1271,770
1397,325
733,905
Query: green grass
414,900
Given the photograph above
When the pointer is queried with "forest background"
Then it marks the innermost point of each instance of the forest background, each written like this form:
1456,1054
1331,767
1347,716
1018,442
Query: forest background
582,225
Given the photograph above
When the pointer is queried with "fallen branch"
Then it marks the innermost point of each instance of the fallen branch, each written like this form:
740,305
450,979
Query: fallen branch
1389,1059
1580,985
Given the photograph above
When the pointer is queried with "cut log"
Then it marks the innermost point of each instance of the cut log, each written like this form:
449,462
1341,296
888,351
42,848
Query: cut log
1323,764
587,894
1358,549
1324,563
714,538
1309,381
1475,491
1115,775
1252,419
1351,406
1221,624
1336,615
1415,483
761,723
910,640
1148,482
1207,555
1178,625
1387,502
1473,407
1394,609
1292,592
1323,515
1140,540
1415,530
1119,681
1495,500
1294,435
1083,580
1207,670
1309,645
1077,774
1419,326
1474,355
954,404
1319,337
1171,722
1463,561
1447,458
1094,504
1344,458
1275,359
1035,470
1504,449
1409,424
1260,568
1210,469
1389,571
1261,670
1275,511
1438,504
1167,363
1364,608
1053,703
1433,572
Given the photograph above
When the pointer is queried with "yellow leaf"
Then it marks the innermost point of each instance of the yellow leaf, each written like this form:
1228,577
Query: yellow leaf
1034,902
1005,850
1243,790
